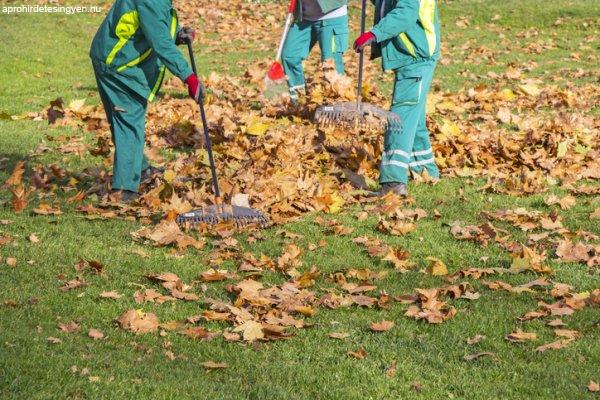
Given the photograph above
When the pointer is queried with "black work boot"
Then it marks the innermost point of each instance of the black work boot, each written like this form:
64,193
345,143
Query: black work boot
396,187
127,196
149,172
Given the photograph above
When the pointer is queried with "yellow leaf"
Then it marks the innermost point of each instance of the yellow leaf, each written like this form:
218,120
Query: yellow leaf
169,175
336,204
257,128
436,267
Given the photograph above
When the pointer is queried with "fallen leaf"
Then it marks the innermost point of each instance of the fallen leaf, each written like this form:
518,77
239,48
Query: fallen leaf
339,335
95,334
520,336
210,365
593,386
69,327
436,267
382,326
476,356
359,354
559,344
110,295
137,321
475,339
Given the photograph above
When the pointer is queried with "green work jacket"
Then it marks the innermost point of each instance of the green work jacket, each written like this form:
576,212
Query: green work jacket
136,41
407,31
326,6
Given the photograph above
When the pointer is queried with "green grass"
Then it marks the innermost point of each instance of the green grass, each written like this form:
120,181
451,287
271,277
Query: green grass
50,60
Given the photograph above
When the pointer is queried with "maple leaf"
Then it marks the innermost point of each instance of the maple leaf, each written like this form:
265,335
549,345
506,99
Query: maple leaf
251,331
436,267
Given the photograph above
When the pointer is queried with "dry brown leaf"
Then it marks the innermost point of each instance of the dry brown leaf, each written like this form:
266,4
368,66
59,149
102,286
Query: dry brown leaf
559,344
382,326
95,334
137,321
359,354
339,335
520,336
211,365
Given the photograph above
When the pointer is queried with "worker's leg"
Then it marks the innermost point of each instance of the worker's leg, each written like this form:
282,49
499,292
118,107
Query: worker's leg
126,113
333,40
407,98
422,157
295,50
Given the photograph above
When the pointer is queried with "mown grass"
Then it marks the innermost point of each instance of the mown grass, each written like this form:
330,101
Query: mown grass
50,60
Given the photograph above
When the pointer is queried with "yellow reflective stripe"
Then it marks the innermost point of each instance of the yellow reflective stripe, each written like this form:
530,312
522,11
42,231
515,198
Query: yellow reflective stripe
408,44
427,17
161,75
135,61
126,27
333,44
173,23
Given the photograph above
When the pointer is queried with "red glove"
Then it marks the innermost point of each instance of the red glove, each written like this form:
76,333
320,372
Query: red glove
363,40
195,88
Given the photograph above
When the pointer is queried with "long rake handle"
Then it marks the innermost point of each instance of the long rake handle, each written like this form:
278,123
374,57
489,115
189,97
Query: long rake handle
361,57
213,169
286,28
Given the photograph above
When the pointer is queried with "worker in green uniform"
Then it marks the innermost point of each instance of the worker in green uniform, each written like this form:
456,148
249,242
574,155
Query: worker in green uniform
406,35
322,21
133,46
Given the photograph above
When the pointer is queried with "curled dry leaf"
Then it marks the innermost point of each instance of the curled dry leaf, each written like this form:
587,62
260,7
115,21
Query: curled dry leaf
475,339
210,365
520,336
69,327
359,354
137,321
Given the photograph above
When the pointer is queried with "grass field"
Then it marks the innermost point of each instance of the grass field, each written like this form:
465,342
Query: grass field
46,56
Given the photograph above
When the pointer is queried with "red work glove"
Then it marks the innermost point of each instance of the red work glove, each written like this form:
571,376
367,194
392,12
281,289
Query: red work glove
195,88
185,35
363,40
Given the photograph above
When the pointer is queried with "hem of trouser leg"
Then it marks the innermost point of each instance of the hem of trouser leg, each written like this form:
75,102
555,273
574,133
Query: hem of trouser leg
124,187
393,179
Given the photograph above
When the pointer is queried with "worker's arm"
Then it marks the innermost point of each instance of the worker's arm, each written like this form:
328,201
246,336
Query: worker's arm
155,21
403,17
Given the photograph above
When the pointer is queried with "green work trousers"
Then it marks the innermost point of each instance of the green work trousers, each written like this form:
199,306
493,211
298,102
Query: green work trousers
409,148
332,36
126,114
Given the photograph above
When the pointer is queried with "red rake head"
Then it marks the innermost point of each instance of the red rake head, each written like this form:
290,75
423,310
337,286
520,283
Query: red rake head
276,72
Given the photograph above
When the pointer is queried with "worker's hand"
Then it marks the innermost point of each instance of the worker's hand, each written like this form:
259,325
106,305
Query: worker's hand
195,88
363,40
185,35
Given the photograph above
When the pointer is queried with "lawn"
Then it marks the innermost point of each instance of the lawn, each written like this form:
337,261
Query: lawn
46,56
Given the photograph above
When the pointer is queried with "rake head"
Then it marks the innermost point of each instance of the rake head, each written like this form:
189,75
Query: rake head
212,215
357,115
